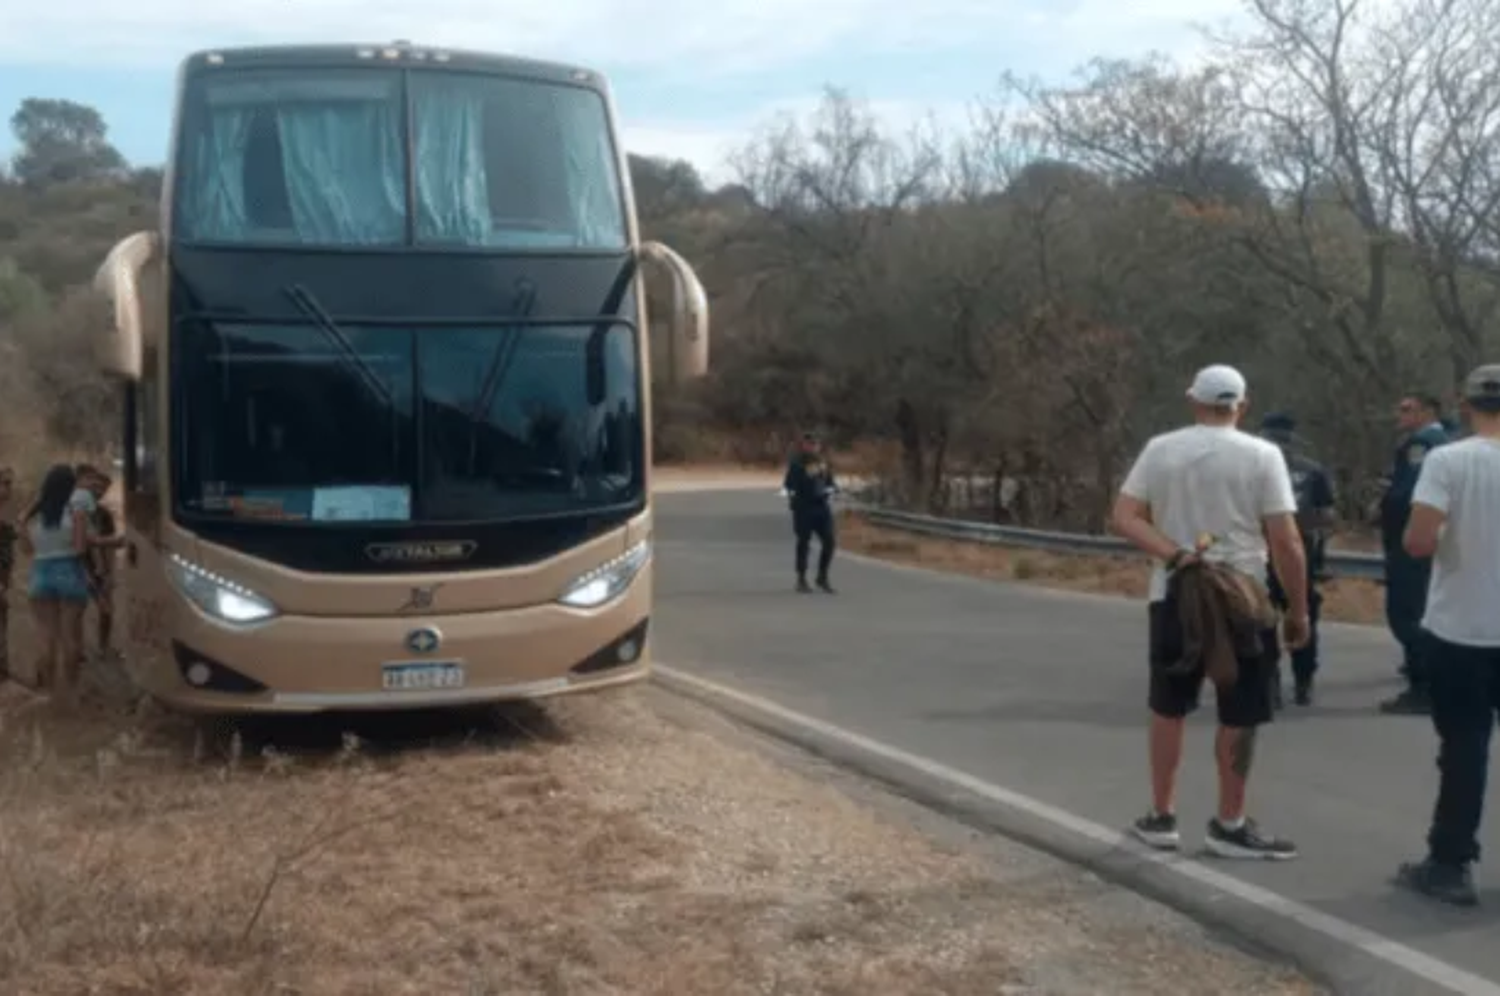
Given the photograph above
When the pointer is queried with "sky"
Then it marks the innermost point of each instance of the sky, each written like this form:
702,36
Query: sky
691,79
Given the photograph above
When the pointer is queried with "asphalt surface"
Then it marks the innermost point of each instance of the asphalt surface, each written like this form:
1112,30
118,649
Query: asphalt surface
1044,693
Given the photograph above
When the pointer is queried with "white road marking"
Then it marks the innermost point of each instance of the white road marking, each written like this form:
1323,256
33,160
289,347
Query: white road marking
1360,938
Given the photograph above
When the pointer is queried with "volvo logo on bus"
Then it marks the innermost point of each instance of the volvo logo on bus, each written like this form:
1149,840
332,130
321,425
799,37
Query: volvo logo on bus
435,552
423,641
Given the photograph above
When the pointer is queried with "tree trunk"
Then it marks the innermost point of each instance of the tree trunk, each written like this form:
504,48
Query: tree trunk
913,457
937,489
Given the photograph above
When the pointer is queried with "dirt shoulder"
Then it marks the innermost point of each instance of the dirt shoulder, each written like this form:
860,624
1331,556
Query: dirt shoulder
1344,599
618,844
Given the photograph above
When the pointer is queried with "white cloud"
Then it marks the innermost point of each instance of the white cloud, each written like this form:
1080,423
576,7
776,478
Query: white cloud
674,43
686,35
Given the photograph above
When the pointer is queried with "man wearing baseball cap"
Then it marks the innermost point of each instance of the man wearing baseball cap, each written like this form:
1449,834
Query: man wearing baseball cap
1454,521
1210,492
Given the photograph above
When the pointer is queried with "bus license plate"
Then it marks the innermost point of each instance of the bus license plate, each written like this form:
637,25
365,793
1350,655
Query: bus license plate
422,677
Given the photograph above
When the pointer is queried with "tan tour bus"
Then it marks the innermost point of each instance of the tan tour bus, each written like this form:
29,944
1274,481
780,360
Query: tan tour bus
386,384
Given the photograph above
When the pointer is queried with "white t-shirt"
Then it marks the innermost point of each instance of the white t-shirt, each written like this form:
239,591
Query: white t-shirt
83,500
1462,480
1216,480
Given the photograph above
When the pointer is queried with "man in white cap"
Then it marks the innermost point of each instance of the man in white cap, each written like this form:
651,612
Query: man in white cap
1454,521
1213,493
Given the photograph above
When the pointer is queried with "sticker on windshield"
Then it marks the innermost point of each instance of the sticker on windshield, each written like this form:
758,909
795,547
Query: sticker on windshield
261,506
362,503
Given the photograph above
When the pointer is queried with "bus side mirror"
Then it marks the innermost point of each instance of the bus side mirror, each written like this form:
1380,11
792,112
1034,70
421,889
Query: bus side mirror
687,345
119,280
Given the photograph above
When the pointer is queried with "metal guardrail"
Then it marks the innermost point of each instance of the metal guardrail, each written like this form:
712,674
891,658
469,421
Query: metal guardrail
1339,564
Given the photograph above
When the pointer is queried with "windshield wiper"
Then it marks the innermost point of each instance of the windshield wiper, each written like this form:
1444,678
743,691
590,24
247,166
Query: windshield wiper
495,371
505,351
309,306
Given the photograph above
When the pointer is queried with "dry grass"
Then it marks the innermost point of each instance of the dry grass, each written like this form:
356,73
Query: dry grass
679,476
861,459
1344,600
600,846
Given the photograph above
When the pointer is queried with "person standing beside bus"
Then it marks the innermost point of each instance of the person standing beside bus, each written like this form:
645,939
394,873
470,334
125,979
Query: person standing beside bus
88,498
101,562
810,487
1454,521
56,536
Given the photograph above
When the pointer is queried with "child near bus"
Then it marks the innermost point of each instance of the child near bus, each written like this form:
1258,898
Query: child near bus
99,563
101,572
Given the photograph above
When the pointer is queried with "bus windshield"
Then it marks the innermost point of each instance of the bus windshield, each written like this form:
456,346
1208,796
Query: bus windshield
334,156
290,422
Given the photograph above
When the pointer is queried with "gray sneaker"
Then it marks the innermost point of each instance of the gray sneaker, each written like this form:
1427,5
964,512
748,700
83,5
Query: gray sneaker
1157,830
1247,842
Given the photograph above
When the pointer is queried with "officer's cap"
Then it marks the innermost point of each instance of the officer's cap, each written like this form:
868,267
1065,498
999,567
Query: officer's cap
1278,422
1278,427
1482,388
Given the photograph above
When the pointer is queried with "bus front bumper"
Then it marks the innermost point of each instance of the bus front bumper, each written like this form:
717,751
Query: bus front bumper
305,664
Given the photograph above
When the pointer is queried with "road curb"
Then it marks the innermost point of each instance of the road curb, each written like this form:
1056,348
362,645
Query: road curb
1260,929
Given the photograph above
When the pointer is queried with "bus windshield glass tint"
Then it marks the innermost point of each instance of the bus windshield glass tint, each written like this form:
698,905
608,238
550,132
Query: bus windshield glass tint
438,424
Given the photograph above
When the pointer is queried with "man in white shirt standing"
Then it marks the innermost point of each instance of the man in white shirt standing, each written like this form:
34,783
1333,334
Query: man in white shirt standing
1213,492
1455,520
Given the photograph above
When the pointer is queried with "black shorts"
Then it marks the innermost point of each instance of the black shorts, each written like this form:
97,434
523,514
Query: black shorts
1247,703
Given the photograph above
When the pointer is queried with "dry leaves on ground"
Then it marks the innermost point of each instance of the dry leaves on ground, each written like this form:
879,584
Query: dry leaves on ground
591,848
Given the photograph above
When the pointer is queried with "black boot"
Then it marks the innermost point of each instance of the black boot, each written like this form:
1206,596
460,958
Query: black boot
1412,702
802,586
824,585
1452,884
1302,693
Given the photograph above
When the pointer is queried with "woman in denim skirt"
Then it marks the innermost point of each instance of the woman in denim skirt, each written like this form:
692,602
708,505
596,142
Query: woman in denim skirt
56,536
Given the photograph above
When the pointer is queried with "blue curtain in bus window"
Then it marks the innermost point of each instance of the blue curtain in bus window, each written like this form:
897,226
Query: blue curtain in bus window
453,200
344,175
592,177
216,203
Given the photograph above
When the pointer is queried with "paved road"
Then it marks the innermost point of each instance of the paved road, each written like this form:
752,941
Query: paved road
1044,693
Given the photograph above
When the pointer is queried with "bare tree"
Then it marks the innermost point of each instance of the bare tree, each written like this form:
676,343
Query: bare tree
1436,138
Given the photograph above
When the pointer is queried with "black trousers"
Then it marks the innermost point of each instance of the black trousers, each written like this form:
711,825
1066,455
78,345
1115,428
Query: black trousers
1304,659
1465,684
807,523
1406,581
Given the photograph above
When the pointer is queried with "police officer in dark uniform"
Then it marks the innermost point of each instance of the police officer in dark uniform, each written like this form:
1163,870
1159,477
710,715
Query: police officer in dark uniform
1419,418
1313,487
810,486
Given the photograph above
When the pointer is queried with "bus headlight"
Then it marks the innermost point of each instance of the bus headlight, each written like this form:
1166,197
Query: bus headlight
218,597
607,581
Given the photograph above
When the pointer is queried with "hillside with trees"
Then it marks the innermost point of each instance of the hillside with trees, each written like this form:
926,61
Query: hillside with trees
1318,202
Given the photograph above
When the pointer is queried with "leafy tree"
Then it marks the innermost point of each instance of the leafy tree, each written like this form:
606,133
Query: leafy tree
62,142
